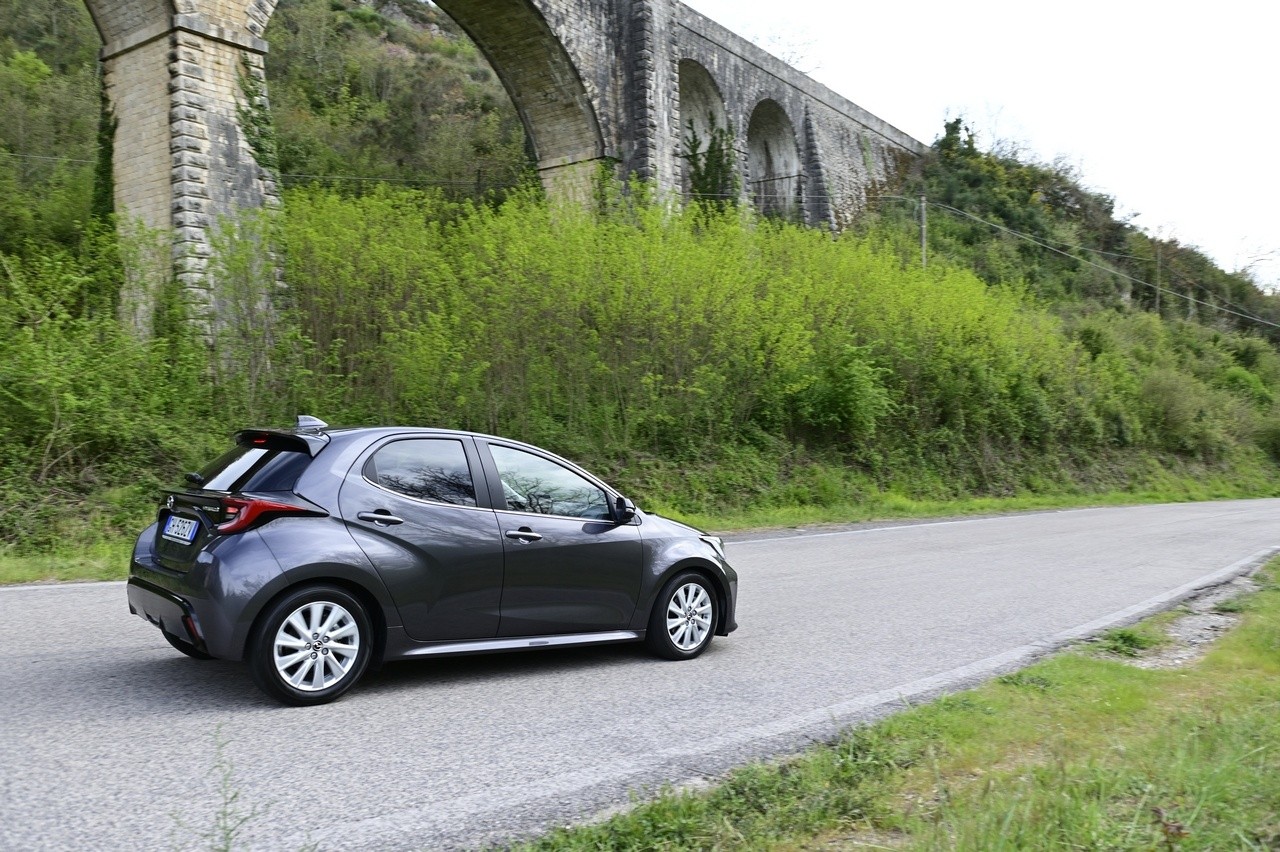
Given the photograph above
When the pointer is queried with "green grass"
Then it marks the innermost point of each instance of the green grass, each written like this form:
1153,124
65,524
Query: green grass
108,560
1076,752
1132,641
898,507
1232,606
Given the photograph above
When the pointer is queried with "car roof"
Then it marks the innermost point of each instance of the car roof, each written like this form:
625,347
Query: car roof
345,433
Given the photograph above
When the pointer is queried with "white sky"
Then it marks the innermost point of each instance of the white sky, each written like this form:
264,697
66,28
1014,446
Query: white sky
1170,108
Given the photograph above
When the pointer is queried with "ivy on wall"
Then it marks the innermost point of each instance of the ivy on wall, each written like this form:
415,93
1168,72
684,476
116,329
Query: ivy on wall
713,165
104,188
254,115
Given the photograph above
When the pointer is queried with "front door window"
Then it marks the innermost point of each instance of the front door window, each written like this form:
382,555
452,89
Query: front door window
533,484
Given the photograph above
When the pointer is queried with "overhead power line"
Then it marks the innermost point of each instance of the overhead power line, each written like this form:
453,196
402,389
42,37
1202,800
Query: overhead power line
47,159
1061,243
485,177
1155,287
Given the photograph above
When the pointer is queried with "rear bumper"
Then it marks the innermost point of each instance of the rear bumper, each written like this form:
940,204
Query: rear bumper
167,611
212,605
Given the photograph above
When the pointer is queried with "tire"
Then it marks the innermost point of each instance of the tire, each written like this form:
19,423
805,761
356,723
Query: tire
311,646
684,617
186,647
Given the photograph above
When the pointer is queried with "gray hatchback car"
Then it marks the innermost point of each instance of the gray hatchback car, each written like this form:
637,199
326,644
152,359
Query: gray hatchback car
315,553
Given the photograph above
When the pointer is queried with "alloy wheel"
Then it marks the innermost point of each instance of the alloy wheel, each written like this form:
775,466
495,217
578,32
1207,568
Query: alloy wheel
689,616
316,646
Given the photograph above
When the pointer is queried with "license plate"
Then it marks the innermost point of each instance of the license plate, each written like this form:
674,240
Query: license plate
180,529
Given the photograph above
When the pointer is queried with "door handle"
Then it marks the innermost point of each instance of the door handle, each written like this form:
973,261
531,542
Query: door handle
382,518
524,535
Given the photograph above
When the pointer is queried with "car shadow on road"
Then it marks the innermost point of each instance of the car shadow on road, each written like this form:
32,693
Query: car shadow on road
175,685
161,684
479,669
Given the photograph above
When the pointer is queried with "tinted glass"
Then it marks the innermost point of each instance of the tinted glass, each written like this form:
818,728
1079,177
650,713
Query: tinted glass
255,469
533,484
424,469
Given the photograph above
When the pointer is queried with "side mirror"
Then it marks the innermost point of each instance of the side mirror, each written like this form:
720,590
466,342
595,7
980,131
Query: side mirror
624,510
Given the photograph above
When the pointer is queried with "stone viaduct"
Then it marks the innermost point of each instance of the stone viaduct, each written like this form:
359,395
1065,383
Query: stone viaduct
596,82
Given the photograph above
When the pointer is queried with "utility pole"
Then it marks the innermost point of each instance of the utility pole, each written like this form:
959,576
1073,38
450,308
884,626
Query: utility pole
1159,288
924,232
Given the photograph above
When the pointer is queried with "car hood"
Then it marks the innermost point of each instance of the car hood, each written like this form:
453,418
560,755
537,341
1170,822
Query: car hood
656,525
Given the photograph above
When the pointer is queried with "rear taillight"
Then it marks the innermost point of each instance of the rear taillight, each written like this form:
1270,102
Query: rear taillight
243,513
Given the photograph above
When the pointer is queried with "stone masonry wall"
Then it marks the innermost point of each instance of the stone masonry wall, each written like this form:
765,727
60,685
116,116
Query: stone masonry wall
174,80
137,86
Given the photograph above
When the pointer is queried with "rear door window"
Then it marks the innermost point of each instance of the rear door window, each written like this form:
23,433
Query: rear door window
432,469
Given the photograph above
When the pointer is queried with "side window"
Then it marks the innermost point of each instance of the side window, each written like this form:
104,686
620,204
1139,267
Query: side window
533,484
424,469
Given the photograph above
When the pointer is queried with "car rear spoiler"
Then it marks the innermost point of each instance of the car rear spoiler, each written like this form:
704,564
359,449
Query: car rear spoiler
290,440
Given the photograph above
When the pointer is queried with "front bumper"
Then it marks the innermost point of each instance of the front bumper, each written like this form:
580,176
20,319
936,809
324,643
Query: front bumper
733,607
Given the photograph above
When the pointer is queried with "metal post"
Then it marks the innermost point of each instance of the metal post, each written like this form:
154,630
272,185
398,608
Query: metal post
1159,285
924,232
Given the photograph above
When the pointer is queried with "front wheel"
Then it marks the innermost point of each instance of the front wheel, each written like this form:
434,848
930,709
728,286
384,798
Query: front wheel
684,617
311,646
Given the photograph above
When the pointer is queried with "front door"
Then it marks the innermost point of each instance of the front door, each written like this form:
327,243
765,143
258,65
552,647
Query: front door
569,567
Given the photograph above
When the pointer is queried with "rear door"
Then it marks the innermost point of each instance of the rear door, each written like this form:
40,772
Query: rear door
569,567
412,505
188,518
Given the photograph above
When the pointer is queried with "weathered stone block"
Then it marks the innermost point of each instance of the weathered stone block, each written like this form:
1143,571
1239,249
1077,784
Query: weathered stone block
190,129
187,174
191,189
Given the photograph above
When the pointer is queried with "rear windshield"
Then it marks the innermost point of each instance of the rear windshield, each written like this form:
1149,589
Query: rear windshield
247,468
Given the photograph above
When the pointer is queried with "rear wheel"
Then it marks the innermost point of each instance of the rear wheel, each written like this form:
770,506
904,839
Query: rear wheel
311,646
186,647
683,618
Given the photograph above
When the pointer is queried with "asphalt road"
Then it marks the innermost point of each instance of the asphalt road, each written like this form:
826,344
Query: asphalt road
111,740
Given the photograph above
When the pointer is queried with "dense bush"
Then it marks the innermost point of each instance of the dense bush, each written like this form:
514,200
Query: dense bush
1015,221
706,361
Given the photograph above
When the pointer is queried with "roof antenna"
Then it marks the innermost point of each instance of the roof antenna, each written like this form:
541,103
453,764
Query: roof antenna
308,423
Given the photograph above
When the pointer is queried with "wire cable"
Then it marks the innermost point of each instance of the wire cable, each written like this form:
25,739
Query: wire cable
1062,243
1115,272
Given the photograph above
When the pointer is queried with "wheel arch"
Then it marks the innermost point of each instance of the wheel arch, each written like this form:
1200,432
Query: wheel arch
378,621
719,585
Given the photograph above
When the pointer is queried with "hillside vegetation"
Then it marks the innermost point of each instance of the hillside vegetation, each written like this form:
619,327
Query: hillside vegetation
707,361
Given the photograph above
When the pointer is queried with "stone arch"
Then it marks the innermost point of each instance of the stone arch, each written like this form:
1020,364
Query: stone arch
545,86
774,166
258,13
702,114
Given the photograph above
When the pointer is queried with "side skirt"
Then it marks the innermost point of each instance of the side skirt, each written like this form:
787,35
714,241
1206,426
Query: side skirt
409,650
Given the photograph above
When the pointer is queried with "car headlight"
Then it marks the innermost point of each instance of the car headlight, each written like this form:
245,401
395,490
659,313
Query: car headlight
717,544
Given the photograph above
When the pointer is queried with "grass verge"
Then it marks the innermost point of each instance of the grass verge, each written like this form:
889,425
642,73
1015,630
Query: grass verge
107,560
893,506
1077,752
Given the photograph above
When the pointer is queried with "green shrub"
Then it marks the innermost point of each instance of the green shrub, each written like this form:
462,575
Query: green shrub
708,363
